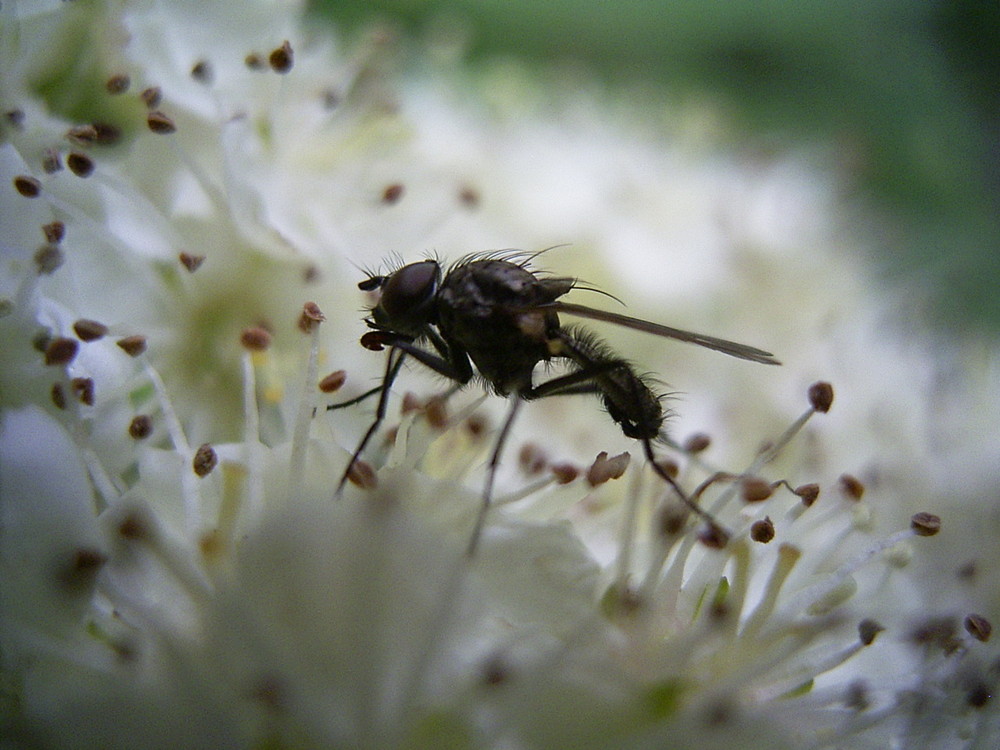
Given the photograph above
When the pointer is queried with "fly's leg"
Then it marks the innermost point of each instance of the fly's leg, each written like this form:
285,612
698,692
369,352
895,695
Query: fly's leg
491,472
456,368
392,365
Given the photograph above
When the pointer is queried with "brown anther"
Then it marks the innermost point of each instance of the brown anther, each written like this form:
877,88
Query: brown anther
362,475
532,458
762,531
468,196
160,123
255,61
669,467
202,72
311,274
27,186
82,567
476,425
696,443
564,472
967,571
15,118
205,459
58,396
868,631
713,536
80,164
755,490
857,697
133,346
83,389
937,631
255,339
151,97
925,524
61,351
495,671
82,135
54,232
330,99
333,382
89,330
392,193
282,58
108,134
48,258
191,262
133,527
51,162
851,487
118,84
410,404
978,694
978,627
141,427
808,493
436,413
671,521
41,340
311,317
821,396
605,468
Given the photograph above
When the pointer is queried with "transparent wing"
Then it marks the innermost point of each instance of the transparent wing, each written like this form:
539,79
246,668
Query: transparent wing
731,348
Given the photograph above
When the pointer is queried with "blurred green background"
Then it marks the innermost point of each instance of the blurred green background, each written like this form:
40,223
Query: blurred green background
909,88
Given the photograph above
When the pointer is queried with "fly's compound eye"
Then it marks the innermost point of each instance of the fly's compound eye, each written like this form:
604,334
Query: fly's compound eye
407,302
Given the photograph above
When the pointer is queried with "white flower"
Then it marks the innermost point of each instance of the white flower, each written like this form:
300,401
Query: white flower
183,218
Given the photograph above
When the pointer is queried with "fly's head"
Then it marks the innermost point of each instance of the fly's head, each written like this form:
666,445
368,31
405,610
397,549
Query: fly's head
407,303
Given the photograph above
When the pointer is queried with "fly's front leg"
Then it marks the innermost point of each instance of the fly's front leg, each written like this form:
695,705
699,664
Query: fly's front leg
392,366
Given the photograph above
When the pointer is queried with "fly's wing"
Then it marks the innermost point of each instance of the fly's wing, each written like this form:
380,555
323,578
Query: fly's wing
731,348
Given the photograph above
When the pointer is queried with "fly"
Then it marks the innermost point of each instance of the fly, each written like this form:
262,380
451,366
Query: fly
491,313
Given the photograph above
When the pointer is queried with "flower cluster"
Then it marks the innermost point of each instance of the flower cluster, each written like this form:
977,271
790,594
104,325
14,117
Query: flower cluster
186,192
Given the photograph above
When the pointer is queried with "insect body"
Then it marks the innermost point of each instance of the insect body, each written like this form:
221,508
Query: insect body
491,314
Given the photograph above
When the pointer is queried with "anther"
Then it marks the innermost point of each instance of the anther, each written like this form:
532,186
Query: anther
255,61
83,389
333,382
851,487
27,186
48,258
202,72
160,123
564,472
468,196
141,427
191,262
807,493
282,58
61,351
821,396
532,458
762,531
255,339
82,568
755,490
713,536
978,627
118,84
604,468
133,346
868,631
89,330
925,524
311,317
51,162
151,97
696,443
58,396
82,135
205,459
54,232
361,474
392,193
80,164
